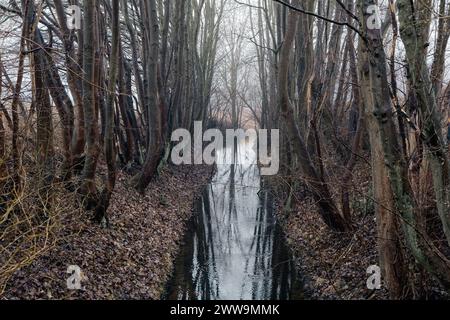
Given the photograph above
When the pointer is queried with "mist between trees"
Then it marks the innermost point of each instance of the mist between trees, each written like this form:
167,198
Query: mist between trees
341,88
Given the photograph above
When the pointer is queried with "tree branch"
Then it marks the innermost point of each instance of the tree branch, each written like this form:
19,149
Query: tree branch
321,17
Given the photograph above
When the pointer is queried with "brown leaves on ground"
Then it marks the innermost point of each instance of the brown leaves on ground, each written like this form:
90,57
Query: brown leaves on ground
334,265
132,259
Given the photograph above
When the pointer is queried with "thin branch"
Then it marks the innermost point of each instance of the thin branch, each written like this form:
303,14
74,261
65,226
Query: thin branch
321,17
342,5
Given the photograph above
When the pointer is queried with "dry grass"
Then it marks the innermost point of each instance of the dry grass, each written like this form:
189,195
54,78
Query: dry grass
30,224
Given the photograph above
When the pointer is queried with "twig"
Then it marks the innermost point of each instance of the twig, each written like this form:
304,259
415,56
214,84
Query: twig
321,17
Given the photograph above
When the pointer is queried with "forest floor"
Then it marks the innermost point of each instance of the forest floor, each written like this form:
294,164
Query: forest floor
334,266
130,259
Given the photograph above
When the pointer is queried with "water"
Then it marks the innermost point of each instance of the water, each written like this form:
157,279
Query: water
234,249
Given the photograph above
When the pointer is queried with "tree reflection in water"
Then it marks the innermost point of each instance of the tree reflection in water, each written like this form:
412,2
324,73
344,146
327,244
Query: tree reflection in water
234,249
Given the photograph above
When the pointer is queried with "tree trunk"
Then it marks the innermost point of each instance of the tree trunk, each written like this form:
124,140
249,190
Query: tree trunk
327,207
88,187
110,151
412,36
378,103
151,50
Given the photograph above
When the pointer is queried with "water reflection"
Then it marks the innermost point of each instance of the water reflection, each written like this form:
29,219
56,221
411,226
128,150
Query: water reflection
234,249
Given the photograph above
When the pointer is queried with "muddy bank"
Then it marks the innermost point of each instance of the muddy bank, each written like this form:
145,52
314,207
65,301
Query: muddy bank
131,259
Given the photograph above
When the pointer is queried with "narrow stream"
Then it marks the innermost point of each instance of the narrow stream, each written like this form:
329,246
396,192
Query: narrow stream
234,249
